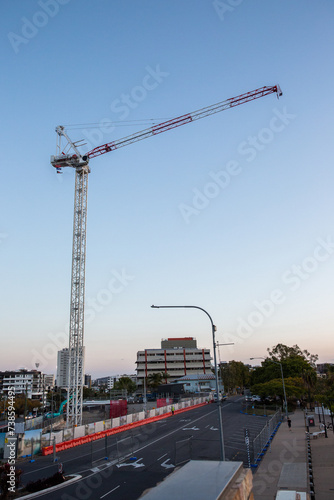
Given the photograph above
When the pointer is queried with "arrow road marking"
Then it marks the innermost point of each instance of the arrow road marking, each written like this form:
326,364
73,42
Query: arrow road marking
134,464
213,428
166,465
191,428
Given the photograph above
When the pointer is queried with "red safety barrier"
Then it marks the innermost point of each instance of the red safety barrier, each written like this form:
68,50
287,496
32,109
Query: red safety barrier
65,445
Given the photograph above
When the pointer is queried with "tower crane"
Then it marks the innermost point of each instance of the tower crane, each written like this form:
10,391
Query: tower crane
70,156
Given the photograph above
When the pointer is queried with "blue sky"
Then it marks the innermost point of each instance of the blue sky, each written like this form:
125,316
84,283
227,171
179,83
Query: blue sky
256,251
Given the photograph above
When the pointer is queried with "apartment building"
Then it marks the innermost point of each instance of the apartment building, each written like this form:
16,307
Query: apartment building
177,357
63,366
49,381
30,383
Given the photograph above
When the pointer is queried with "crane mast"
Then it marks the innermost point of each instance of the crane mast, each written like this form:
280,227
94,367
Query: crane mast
77,307
70,156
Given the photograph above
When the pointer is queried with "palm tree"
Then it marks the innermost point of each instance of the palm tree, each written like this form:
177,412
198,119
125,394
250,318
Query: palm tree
155,379
125,383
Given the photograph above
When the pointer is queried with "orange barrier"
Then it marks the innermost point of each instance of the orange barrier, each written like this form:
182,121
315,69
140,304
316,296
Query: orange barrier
65,445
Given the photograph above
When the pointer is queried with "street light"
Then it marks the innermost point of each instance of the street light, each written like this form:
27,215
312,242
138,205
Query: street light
213,327
278,363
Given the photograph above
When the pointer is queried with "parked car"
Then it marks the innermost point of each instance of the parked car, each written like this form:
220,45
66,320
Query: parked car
223,397
248,398
256,399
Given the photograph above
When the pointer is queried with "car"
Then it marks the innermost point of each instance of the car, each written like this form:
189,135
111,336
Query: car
248,398
256,399
223,397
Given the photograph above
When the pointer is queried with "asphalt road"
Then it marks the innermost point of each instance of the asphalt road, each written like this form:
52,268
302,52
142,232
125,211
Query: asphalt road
124,465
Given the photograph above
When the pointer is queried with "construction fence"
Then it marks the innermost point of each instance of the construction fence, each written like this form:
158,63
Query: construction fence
32,442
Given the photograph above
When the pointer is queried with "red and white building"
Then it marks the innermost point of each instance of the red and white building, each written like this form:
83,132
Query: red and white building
177,357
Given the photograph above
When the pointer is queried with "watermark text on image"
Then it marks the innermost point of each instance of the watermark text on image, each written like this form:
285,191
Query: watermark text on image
293,279
221,179
30,27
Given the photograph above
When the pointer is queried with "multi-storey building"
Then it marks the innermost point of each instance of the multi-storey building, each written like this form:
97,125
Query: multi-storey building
30,383
63,366
49,381
88,381
177,357
109,381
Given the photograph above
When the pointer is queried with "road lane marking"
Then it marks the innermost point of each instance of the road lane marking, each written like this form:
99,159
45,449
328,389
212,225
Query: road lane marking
135,464
162,457
166,465
173,432
110,491
139,449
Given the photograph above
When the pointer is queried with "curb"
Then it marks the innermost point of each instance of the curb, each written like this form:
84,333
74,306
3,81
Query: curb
75,477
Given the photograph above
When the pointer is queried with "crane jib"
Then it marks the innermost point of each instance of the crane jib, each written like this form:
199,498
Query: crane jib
184,119
176,122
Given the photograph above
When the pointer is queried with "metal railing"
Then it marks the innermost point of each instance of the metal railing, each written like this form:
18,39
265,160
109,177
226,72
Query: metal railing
259,445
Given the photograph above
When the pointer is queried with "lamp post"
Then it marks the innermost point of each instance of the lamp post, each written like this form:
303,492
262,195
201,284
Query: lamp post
213,328
285,402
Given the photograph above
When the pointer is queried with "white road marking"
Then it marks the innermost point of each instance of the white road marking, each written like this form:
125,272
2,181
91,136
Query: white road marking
191,428
166,465
135,464
162,457
110,491
172,432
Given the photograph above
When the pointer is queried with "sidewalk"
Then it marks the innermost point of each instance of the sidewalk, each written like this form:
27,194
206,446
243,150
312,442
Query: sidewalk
322,456
286,465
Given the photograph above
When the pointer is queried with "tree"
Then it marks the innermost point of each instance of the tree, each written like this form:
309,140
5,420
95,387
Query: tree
294,387
155,379
324,389
125,383
89,393
283,352
295,363
22,404
234,374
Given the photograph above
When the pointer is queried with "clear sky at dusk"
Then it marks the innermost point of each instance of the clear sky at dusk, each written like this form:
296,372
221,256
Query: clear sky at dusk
233,213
